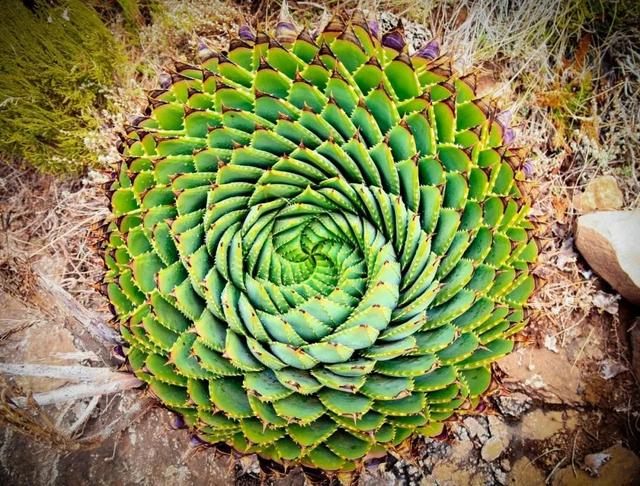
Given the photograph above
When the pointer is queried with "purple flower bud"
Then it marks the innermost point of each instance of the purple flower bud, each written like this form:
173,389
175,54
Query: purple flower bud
504,118
508,136
117,355
527,169
374,27
431,50
198,442
286,31
245,33
165,80
441,436
203,50
481,407
373,463
394,40
178,423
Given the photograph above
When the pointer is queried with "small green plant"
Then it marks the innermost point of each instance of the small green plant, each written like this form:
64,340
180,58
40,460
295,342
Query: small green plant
318,246
55,65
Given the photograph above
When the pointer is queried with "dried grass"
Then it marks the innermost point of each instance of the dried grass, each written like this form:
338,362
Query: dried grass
31,420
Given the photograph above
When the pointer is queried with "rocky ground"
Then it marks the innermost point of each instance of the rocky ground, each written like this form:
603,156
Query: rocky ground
565,406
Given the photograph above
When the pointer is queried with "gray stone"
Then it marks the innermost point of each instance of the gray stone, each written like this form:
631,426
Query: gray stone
608,240
475,429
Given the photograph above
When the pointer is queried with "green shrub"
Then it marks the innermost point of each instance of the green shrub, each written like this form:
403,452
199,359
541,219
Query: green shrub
56,63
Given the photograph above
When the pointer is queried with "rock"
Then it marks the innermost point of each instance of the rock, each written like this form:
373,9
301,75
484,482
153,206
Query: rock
492,449
461,450
498,428
525,473
447,474
514,404
606,302
610,369
499,440
539,425
475,429
543,374
622,469
499,475
600,194
634,336
609,243
551,343
593,462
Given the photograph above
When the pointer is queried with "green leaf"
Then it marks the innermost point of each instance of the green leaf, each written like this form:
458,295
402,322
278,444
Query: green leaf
313,433
298,380
490,353
300,408
413,404
406,366
347,446
293,356
238,353
229,396
323,458
265,385
476,380
460,349
172,395
337,382
265,412
352,368
379,387
402,78
257,433
390,350
344,403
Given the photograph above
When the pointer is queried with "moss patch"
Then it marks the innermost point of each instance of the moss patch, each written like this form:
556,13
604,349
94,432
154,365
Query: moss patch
56,65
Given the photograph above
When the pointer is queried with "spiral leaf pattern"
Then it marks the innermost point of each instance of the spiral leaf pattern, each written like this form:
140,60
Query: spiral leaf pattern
318,245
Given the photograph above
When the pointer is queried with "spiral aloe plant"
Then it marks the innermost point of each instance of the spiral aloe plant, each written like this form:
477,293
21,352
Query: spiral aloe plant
318,246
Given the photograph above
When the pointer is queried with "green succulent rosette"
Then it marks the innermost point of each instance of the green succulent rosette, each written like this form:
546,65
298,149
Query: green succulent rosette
318,246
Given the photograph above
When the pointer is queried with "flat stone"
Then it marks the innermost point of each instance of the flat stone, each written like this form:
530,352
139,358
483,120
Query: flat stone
609,242
602,193
543,374
461,450
447,474
499,440
525,473
622,469
538,425
492,449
